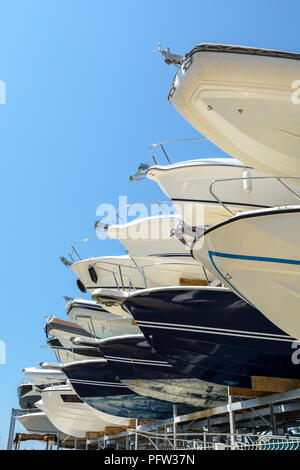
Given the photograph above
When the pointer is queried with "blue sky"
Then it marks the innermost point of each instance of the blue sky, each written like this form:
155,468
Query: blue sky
86,96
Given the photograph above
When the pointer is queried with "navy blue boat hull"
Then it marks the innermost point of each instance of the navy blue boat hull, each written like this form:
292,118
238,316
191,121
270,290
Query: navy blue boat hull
143,371
96,384
213,335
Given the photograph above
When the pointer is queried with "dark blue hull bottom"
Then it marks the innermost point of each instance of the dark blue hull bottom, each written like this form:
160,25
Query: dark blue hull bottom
96,384
134,406
213,335
142,370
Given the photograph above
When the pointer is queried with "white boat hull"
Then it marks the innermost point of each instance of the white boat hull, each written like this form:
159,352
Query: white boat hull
74,419
37,423
163,259
188,183
98,322
64,331
44,376
257,255
112,273
149,236
242,100
170,272
65,356
167,267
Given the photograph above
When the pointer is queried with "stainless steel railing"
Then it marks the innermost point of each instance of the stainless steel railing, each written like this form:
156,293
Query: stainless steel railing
124,281
144,167
259,178
162,144
216,441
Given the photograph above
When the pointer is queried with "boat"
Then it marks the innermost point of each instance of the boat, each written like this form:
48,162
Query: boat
212,334
97,384
116,277
144,372
97,321
43,376
257,255
159,255
68,413
63,331
27,395
207,191
241,99
101,275
71,354
37,423
150,237
107,272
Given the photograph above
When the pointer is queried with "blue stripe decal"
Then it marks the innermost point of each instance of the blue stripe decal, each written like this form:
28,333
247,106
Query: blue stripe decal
215,253
254,258
249,258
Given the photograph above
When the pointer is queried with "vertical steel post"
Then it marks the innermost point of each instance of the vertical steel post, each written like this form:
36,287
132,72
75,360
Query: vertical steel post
11,430
174,424
231,421
136,444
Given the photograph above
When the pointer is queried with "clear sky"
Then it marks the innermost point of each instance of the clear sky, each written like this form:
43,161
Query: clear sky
86,96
